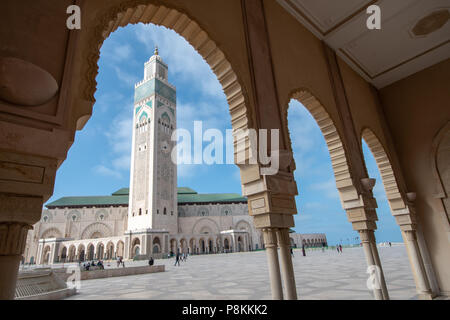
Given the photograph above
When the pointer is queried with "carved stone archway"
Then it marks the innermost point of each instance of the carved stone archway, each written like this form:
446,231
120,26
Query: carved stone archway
339,161
136,11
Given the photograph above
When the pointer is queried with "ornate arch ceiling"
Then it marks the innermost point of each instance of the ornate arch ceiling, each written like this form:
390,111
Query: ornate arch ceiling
414,35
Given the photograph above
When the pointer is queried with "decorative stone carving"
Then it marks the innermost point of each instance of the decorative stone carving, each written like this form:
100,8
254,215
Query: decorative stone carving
431,23
96,228
13,238
24,83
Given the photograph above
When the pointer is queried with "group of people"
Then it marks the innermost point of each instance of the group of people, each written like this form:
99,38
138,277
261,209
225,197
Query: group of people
339,248
88,265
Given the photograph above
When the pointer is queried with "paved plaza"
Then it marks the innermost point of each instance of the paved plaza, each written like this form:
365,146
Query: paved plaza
319,275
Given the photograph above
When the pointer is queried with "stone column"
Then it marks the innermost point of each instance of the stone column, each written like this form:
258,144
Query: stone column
373,247
361,207
13,236
270,241
405,216
422,283
366,237
286,264
17,215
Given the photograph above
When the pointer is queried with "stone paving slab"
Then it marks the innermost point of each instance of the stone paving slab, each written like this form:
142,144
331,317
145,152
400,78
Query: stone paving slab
242,276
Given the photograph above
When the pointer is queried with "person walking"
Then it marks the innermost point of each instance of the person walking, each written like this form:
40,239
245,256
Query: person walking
177,259
292,252
150,261
340,248
303,250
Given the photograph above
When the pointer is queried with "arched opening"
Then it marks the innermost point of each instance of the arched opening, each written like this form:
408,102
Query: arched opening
379,167
46,255
63,255
90,251
321,166
441,168
202,245
81,253
240,244
135,247
100,251
120,249
173,246
226,245
192,246
388,198
183,246
156,245
72,253
109,251
177,23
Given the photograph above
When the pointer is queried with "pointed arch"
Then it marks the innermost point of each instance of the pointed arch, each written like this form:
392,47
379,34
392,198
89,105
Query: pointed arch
51,232
386,171
143,116
136,11
440,145
338,155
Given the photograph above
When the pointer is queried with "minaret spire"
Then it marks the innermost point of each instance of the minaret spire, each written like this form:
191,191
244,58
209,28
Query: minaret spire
156,53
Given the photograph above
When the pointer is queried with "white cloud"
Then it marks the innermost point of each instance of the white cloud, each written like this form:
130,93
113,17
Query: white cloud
122,52
113,51
303,217
328,188
102,170
211,115
128,79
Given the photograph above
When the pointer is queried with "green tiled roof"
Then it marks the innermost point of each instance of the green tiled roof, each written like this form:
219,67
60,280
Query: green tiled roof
120,198
210,197
122,192
185,190
89,201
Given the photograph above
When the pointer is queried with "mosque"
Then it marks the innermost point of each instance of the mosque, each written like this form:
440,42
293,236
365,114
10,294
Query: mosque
153,217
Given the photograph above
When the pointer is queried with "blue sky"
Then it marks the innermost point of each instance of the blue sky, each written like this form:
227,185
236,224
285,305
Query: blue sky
99,161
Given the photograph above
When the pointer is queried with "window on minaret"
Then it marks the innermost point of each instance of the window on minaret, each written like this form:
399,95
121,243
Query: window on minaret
140,211
165,211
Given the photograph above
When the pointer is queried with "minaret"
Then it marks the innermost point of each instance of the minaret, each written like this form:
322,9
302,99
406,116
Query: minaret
153,178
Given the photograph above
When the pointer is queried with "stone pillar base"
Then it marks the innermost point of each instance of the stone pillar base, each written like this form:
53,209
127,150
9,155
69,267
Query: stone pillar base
426,296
